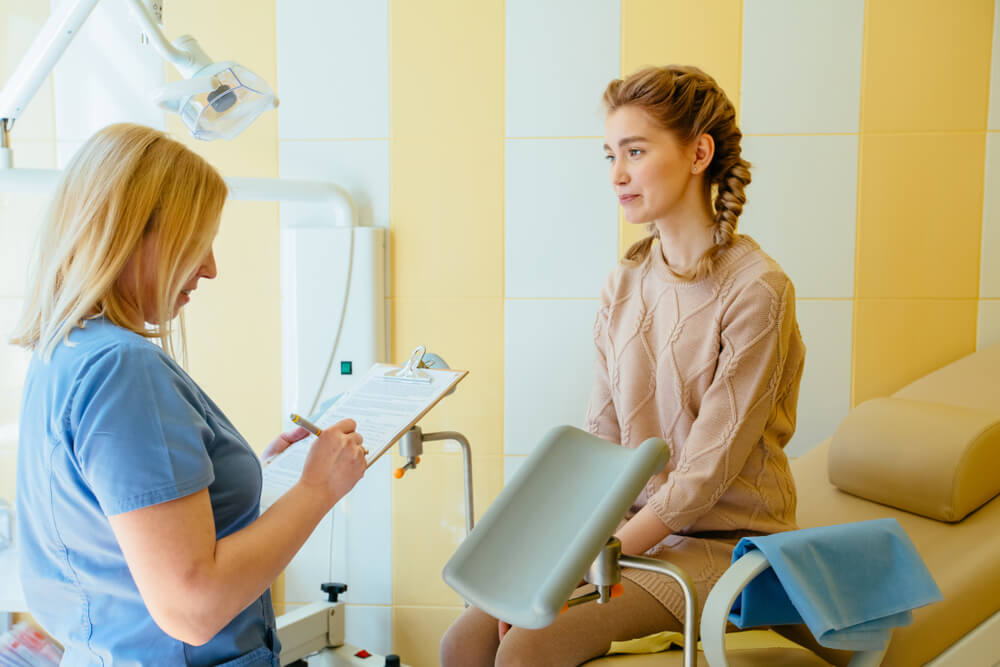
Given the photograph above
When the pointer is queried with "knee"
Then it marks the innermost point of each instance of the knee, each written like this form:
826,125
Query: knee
450,649
517,650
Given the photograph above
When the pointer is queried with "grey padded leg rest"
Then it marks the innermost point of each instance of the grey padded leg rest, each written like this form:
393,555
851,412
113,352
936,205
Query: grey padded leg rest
532,547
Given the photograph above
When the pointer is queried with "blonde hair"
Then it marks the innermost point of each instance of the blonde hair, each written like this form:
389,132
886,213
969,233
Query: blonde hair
689,103
125,182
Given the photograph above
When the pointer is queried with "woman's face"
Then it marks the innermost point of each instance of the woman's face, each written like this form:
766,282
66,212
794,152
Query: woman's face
651,171
147,282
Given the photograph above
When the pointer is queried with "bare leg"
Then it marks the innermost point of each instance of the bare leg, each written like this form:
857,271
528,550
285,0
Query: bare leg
471,641
577,635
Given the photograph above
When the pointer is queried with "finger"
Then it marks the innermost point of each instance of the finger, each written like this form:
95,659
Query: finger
346,426
283,442
296,434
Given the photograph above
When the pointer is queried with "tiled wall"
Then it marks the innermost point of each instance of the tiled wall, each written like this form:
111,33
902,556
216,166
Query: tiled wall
921,181
989,285
473,131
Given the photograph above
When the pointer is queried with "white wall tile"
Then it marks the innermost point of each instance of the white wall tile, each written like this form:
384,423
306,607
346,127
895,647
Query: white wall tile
360,167
369,628
106,76
364,561
989,286
311,566
548,368
994,117
333,69
561,222
21,217
65,150
802,208
801,66
825,391
560,56
14,362
989,324
510,466
34,154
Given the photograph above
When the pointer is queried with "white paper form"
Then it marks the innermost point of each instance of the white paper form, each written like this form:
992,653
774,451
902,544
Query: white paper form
384,408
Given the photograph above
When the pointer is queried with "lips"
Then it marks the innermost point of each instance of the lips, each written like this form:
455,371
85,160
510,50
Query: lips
625,199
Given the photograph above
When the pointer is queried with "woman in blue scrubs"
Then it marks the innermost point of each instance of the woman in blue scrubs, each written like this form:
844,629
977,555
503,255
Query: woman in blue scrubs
139,520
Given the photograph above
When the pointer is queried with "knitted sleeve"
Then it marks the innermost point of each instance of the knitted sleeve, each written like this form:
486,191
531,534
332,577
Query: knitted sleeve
756,336
602,420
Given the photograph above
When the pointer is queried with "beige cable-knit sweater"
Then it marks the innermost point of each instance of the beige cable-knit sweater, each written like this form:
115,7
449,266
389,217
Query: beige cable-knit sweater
713,368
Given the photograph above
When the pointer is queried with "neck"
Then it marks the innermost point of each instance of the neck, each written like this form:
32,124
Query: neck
686,234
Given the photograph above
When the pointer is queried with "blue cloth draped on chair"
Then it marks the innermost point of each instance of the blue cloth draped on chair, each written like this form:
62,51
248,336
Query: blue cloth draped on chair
850,584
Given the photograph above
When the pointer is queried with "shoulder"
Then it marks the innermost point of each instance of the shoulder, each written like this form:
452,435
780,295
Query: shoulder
755,273
103,355
756,282
100,345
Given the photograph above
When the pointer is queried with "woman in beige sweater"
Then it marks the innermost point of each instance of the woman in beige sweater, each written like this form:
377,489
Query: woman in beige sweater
697,343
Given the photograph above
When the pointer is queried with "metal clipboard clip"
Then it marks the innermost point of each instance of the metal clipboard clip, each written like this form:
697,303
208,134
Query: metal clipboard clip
411,371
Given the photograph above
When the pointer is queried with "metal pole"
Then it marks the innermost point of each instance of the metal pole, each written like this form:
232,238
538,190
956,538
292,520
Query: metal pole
467,464
690,598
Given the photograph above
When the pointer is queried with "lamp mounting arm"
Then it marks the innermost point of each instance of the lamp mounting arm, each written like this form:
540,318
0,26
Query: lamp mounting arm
57,33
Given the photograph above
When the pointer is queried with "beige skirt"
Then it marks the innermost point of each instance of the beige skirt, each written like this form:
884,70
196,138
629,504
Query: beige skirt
703,557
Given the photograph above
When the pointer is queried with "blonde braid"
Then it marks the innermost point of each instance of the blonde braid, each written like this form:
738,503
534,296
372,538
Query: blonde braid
729,200
638,250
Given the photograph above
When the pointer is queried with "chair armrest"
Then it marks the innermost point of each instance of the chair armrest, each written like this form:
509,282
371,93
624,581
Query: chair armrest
721,598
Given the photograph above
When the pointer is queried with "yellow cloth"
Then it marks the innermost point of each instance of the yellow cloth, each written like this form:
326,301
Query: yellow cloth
735,641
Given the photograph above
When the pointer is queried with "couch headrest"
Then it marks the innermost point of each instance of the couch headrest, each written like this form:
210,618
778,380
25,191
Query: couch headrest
939,461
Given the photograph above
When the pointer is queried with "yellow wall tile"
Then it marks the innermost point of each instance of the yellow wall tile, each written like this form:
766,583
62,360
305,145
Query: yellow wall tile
920,215
446,153
234,324
927,65
429,522
468,334
708,34
234,327
417,632
898,341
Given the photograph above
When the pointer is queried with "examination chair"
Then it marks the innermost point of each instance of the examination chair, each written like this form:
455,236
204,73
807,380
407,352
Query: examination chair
928,456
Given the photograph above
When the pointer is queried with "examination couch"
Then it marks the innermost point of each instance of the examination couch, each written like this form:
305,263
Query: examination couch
928,456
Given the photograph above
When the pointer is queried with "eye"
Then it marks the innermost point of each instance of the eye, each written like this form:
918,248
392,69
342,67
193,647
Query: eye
609,157
634,152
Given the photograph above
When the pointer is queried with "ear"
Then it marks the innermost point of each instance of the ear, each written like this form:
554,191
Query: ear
704,151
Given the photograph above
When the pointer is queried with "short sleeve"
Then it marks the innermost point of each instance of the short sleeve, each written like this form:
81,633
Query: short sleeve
140,433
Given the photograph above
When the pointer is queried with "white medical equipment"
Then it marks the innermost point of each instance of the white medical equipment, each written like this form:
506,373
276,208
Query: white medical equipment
215,100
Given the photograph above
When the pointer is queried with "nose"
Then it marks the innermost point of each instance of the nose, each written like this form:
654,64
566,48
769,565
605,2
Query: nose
619,174
208,268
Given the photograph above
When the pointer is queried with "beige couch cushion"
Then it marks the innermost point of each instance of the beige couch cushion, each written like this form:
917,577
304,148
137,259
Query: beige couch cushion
962,557
940,461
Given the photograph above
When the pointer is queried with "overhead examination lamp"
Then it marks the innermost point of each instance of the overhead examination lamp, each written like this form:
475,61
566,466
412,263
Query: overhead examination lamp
215,100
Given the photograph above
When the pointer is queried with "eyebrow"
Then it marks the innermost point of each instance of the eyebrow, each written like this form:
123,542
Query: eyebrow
627,140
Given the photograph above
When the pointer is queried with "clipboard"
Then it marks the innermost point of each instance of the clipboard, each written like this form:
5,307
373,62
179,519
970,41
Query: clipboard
386,403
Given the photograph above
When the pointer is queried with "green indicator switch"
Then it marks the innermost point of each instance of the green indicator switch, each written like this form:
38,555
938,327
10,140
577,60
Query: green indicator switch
345,368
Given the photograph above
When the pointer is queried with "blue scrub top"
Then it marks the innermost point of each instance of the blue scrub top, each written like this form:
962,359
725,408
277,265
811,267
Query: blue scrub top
112,424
